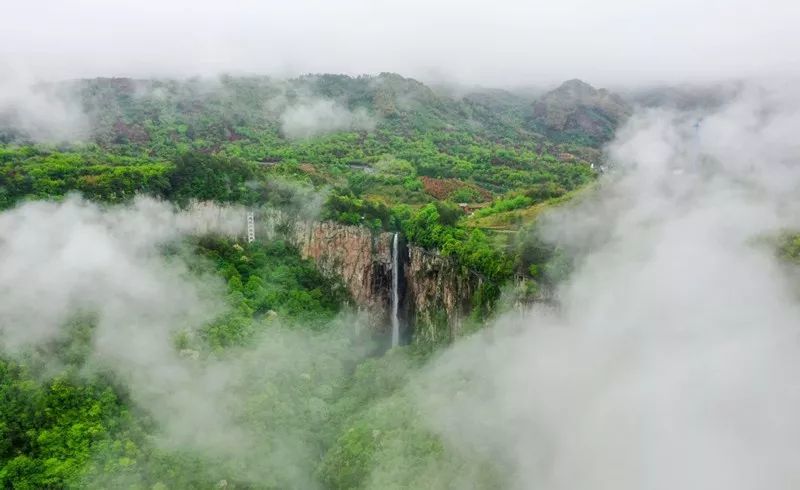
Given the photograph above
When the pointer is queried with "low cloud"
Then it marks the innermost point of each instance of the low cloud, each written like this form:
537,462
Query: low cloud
473,42
60,258
316,116
55,112
45,112
247,412
672,360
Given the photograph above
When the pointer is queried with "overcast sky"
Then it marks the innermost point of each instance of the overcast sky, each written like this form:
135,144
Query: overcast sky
497,42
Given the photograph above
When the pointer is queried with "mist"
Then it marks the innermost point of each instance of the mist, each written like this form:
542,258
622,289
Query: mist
500,44
668,359
304,115
321,117
61,261
91,258
42,111
672,360
525,46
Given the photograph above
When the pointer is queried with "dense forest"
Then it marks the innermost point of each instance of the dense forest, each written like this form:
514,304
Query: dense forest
384,149
462,176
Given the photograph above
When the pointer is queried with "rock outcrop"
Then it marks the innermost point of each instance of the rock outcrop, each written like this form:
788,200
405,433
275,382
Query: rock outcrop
435,293
360,258
439,293
577,111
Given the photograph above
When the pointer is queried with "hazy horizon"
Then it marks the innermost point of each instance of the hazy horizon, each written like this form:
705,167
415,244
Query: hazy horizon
503,44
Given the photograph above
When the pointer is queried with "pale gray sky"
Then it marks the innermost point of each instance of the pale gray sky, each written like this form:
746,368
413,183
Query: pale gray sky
499,42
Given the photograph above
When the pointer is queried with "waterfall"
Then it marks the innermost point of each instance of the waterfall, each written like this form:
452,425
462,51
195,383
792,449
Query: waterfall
395,292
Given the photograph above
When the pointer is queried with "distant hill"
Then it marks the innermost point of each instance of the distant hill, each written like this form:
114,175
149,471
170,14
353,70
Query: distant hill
577,112
114,111
395,103
369,137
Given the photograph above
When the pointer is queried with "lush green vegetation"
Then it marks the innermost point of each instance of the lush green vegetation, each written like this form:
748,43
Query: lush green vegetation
325,411
503,205
81,428
788,247
54,429
44,173
225,140
137,128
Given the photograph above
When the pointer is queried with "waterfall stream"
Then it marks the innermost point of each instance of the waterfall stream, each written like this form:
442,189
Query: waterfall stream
395,292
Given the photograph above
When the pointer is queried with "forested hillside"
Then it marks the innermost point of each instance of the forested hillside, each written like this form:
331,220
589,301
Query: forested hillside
381,148
383,133
460,176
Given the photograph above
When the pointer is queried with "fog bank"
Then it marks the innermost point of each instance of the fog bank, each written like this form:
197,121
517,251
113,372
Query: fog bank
510,42
673,359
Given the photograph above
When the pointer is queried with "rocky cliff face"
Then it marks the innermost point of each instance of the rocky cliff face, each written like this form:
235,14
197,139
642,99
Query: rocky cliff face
435,293
439,295
360,258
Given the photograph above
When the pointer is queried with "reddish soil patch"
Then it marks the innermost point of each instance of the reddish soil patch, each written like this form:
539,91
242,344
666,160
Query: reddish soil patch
442,188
